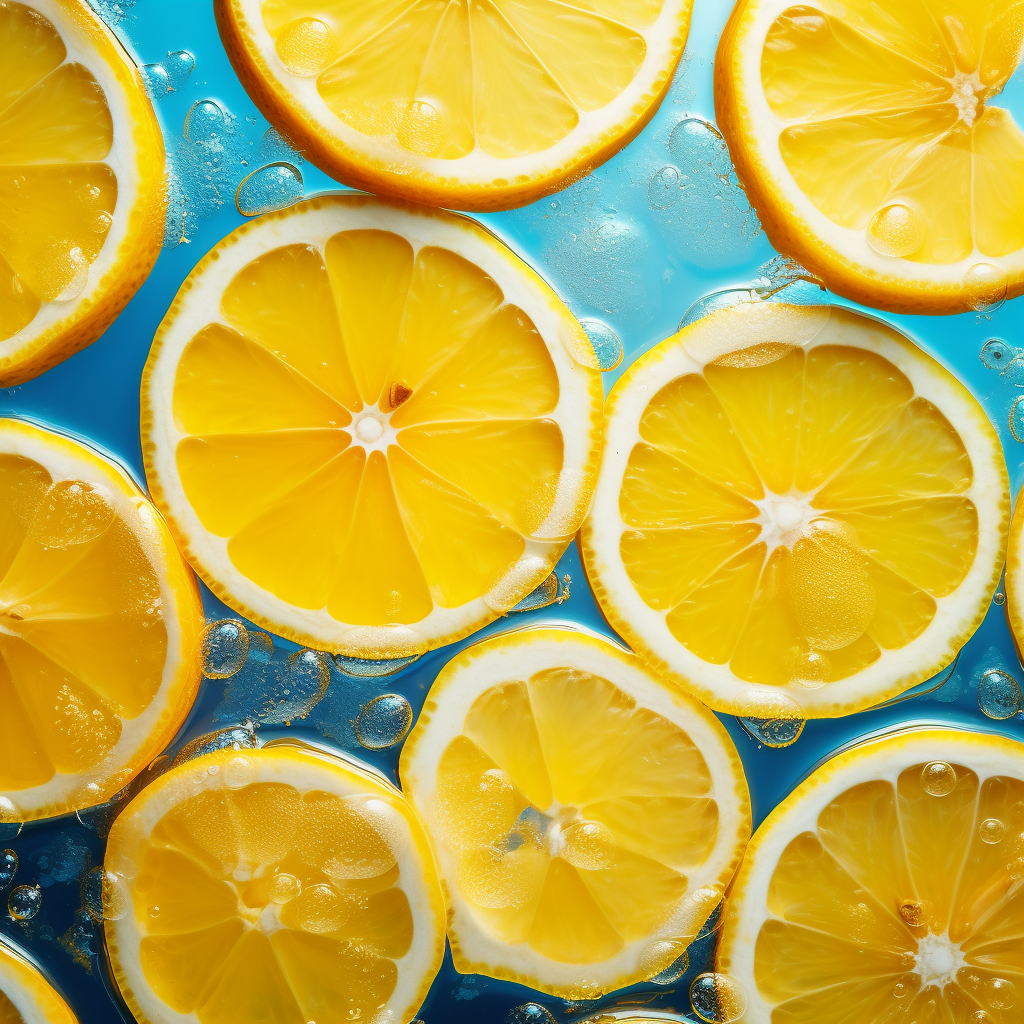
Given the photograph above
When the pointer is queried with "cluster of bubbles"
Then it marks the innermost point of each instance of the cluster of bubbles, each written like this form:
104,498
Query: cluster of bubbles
717,998
24,902
170,74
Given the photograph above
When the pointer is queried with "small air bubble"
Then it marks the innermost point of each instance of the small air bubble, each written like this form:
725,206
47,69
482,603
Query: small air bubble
240,771
1000,994
224,646
104,895
664,962
999,694
996,354
718,998
384,721
422,129
8,867
774,732
156,79
530,1013
205,120
992,831
606,343
588,845
24,902
270,188
896,231
306,46
984,287
938,778
663,188
65,272
283,887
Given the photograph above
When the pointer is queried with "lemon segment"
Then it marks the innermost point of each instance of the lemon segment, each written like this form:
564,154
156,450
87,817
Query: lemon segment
82,201
368,425
801,527
873,147
587,817
888,881
276,884
99,618
476,104
1013,586
26,997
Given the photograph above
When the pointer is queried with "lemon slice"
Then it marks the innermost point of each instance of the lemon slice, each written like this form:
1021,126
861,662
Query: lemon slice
587,816
886,886
99,620
279,884
799,514
26,997
81,183
1014,571
369,425
870,140
477,104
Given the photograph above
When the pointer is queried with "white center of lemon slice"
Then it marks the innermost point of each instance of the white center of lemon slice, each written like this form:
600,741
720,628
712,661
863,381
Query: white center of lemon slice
938,960
784,518
369,429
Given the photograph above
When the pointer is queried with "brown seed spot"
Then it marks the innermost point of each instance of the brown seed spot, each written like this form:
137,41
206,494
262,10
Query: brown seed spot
400,392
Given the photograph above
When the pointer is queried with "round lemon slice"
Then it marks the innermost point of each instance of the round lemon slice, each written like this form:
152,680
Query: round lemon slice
371,426
888,886
99,620
26,997
1014,586
870,140
587,816
799,513
81,183
278,884
476,104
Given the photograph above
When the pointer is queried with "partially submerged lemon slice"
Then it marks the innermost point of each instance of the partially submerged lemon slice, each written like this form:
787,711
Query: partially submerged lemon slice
888,883
279,884
99,619
871,141
81,183
1015,575
26,997
587,815
476,104
799,513
370,426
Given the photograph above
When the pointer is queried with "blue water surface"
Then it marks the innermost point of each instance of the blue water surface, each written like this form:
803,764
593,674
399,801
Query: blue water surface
631,248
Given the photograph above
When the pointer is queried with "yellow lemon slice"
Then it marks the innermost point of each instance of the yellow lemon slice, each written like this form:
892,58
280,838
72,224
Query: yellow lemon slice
26,997
476,104
279,884
1014,570
870,140
99,620
370,426
799,514
81,183
886,886
587,816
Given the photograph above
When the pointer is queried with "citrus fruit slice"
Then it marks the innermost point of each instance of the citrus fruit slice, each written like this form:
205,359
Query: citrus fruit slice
26,997
886,887
369,425
869,139
81,183
99,619
1014,571
799,514
476,104
279,884
587,815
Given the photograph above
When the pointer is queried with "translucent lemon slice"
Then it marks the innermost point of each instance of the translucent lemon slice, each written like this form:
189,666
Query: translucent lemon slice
370,426
278,884
474,104
799,514
81,183
871,141
26,997
586,814
887,884
99,619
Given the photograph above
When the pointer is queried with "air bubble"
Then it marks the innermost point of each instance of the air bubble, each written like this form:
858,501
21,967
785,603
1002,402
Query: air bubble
984,287
66,271
157,81
992,831
204,121
239,737
422,128
295,688
101,223
938,778
663,188
547,594
1000,994
24,902
913,913
224,646
807,668
607,345
367,668
283,887
270,188
306,46
72,512
104,895
240,771
902,989
996,354
664,962
530,1013
896,231
384,721
999,694
588,845
8,867
717,998
1017,418
774,732
170,74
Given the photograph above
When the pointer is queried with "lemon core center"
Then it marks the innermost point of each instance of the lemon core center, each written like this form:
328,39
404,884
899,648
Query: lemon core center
371,429
938,960
784,519
966,88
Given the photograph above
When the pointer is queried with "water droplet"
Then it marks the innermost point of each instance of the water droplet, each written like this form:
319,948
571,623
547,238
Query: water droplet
156,79
270,188
8,867
998,597
896,230
292,690
104,895
807,668
999,694
422,129
584,990
1017,418
1000,994
384,721
240,771
663,188
306,46
979,1017
902,989
588,845
774,732
984,287
101,222
65,271
283,887
239,737
24,902
992,831
664,962
914,913
72,512
10,819
718,998
938,778
366,668
530,1013
607,346
996,354
224,646
546,594
178,65
204,121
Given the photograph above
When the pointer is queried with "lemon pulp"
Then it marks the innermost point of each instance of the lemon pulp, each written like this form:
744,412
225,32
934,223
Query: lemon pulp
57,190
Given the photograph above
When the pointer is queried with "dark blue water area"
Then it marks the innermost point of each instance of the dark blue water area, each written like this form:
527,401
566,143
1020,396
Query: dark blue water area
630,248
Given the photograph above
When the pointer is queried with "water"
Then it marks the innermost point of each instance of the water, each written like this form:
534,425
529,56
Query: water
633,249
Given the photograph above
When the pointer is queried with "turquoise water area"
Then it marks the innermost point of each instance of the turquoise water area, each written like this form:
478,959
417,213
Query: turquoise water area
631,248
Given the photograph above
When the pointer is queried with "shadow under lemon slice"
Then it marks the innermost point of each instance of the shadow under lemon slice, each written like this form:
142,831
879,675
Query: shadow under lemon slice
799,513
